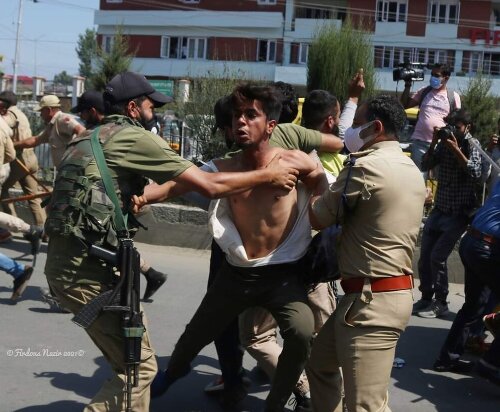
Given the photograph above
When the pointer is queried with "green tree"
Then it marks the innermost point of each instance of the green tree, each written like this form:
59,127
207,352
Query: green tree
86,51
63,78
109,63
478,100
335,55
198,111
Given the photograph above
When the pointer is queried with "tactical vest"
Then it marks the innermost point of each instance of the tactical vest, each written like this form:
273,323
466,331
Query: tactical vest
79,205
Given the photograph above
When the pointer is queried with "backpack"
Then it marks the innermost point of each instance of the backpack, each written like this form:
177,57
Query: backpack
451,98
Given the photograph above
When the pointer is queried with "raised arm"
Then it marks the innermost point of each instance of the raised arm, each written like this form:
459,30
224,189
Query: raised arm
405,99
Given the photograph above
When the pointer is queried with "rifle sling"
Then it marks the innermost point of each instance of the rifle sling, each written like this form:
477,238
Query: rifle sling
120,219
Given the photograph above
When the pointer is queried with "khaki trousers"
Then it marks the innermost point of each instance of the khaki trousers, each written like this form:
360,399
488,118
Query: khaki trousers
107,335
13,223
258,331
360,337
28,184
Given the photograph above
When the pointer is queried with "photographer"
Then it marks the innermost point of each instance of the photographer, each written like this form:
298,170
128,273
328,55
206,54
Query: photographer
436,102
459,172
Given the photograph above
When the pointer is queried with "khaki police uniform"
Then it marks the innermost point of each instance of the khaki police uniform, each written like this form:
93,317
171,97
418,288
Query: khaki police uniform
58,133
131,154
20,126
380,223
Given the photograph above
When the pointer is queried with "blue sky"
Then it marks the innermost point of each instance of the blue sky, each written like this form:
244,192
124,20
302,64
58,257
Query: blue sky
49,35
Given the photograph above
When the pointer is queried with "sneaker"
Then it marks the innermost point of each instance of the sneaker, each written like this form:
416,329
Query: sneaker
34,236
300,403
21,282
422,304
489,371
436,310
154,281
456,366
492,323
5,235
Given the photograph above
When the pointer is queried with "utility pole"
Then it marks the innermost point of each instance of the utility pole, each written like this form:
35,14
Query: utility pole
16,55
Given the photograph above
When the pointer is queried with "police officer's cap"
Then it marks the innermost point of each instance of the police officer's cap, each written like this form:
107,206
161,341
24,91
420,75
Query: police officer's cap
88,100
8,97
50,100
127,86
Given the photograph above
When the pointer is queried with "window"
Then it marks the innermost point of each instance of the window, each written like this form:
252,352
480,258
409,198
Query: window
388,56
266,51
443,11
114,1
107,43
391,11
487,63
266,2
303,52
196,48
183,48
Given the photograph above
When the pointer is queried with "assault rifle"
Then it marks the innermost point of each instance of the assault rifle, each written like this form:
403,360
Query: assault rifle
124,298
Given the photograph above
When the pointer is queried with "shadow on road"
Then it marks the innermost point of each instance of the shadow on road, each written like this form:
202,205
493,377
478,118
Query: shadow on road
86,386
419,347
187,394
60,406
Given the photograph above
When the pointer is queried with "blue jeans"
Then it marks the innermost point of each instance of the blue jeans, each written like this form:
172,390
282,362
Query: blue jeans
11,266
482,262
441,233
418,149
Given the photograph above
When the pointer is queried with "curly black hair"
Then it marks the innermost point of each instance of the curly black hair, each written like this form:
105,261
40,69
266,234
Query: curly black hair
389,111
267,95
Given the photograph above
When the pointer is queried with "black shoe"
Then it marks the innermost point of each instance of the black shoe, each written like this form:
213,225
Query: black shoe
456,366
231,397
154,281
34,236
300,403
21,282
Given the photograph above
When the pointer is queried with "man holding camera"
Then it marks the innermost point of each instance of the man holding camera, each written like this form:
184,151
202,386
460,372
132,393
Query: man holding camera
459,172
436,102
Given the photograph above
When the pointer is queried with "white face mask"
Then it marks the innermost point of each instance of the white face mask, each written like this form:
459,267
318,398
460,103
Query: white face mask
353,142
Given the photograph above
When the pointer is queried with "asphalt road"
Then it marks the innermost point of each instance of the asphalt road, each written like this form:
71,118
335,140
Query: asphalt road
49,364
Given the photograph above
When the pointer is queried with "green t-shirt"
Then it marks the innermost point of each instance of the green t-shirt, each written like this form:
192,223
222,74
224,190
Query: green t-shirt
293,136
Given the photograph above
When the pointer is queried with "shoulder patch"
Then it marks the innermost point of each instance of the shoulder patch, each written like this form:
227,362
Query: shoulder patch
362,153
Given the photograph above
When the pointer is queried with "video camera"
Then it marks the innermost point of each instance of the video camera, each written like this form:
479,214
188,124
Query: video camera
409,72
